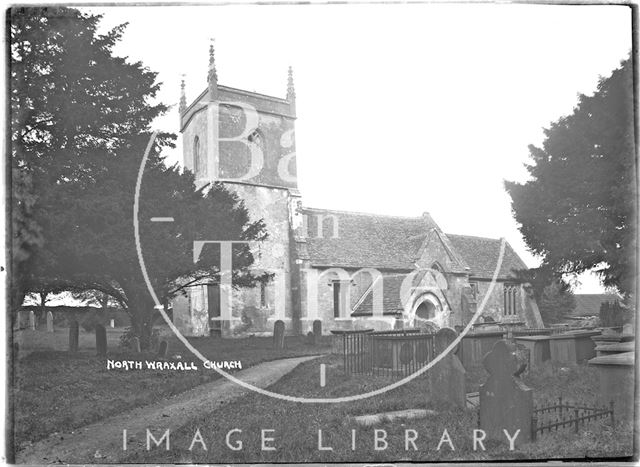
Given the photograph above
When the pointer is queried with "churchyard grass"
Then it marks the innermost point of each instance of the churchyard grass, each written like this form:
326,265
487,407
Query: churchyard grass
56,391
296,425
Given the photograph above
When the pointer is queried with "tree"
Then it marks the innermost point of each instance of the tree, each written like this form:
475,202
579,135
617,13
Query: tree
72,106
80,121
95,297
552,294
578,210
100,250
556,301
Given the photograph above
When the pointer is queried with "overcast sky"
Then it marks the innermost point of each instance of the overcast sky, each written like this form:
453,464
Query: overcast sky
401,108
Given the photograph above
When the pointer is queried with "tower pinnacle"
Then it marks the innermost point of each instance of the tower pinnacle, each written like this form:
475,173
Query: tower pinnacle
183,98
212,75
291,92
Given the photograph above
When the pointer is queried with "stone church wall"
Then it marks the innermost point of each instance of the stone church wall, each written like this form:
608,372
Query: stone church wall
272,255
494,307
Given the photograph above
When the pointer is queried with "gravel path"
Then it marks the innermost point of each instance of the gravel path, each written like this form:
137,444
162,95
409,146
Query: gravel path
102,442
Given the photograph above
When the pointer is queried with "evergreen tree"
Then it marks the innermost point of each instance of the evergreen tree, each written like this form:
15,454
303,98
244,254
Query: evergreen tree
80,123
578,210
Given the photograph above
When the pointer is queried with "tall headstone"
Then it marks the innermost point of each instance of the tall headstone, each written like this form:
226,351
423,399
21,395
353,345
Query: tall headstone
112,323
163,349
49,321
74,334
101,339
32,320
505,402
446,378
135,344
278,334
317,330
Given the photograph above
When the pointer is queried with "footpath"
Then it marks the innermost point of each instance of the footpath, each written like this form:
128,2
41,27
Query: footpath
102,442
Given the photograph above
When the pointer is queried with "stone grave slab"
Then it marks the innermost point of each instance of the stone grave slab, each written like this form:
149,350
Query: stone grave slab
612,349
539,349
616,382
475,345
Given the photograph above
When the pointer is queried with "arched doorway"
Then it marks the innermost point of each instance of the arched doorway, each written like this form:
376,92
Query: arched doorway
426,310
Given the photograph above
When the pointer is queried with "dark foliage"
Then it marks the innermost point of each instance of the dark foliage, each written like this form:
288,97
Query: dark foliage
578,210
80,122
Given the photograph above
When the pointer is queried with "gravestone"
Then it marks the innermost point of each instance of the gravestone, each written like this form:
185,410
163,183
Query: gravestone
628,329
135,344
163,349
49,321
317,330
311,338
32,320
398,323
101,339
505,402
74,334
112,323
446,378
278,334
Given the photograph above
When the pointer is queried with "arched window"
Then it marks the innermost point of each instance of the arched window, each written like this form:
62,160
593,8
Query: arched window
199,164
510,299
196,156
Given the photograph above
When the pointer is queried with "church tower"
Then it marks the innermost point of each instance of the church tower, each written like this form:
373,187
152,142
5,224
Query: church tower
245,140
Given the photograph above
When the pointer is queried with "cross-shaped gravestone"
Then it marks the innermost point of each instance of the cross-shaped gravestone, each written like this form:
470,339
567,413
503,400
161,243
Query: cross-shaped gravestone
446,378
505,402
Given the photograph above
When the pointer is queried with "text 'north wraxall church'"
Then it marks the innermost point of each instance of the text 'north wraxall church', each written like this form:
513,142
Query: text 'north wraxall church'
351,270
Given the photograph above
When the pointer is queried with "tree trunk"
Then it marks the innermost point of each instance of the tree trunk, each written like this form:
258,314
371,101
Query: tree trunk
141,313
43,304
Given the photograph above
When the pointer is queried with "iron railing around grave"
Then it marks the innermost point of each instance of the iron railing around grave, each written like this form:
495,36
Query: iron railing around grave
396,353
551,416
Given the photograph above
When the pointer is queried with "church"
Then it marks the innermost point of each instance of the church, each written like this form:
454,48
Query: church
350,270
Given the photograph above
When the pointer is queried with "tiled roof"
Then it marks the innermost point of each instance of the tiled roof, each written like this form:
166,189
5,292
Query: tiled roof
366,240
391,299
589,304
481,254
